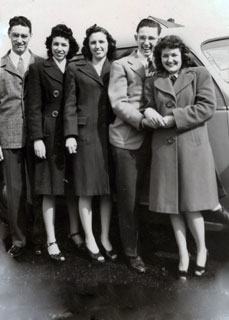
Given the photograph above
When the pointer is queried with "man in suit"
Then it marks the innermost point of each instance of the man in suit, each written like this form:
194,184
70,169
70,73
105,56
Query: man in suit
12,127
128,137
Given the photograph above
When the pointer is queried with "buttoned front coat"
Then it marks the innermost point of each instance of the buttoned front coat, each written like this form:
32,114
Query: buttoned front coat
44,113
87,114
182,169
12,115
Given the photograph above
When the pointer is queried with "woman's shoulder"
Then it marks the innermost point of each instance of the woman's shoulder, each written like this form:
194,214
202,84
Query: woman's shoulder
199,70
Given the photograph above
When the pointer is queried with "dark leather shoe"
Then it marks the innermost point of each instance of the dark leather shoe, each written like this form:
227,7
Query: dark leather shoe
38,249
136,264
222,215
15,251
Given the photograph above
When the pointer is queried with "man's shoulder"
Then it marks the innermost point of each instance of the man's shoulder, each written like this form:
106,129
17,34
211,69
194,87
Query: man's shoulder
126,59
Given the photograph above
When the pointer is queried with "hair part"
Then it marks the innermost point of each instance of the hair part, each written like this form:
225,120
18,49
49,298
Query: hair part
172,42
111,42
20,21
147,22
61,30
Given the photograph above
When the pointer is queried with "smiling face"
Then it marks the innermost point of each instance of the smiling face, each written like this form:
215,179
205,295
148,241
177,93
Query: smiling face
98,45
60,48
146,39
171,60
19,36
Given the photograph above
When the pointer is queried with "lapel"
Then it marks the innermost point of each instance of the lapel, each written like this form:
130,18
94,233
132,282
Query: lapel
164,84
184,79
136,65
86,67
7,64
52,70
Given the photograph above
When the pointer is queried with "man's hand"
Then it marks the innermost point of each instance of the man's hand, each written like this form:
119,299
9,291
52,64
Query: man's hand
1,154
154,118
169,121
40,149
71,145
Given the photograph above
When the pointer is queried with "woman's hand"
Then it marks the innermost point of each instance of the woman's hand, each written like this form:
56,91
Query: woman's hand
71,145
1,154
169,121
40,149
154,118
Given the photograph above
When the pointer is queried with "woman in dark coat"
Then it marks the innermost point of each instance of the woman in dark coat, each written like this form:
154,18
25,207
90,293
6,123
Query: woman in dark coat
45,124
86,118
180,100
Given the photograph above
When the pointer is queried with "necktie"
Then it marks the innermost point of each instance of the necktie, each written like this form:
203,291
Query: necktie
173,79
20,67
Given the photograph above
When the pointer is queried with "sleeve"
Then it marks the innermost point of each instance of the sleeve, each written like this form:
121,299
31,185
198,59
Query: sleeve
70,104
149,100
204,106
33,103
118,94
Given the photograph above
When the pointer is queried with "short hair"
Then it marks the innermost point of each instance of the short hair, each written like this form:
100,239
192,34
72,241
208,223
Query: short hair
20,20
172,42
111,42
149,23
61,30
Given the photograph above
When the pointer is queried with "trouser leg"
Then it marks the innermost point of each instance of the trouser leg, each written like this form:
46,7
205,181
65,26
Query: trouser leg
130,166
14,175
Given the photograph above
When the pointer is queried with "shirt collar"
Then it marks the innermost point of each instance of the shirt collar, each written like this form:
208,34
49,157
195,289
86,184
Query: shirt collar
144,59
15,58
61,65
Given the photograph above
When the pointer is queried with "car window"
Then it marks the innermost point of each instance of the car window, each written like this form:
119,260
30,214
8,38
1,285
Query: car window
217,53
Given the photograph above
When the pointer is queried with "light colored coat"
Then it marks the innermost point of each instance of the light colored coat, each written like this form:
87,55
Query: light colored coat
182,169
12,118
125,91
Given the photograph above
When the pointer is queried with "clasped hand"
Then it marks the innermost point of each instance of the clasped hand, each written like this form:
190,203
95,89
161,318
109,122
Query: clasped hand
154,120
71,145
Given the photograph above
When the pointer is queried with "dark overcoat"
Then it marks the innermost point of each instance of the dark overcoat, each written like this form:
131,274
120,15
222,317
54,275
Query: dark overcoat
44,112
87,113
182,169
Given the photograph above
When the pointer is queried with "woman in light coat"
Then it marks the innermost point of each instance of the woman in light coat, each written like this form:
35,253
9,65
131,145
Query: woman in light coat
180,100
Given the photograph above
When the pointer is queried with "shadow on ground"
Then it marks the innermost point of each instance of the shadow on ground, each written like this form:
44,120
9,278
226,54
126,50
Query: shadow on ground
33,288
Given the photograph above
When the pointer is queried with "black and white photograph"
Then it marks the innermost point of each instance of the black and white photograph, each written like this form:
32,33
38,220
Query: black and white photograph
114,160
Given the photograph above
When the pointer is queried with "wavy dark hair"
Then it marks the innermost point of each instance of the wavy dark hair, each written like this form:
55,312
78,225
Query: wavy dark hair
111,42
61,30
172,42
147,22
20,20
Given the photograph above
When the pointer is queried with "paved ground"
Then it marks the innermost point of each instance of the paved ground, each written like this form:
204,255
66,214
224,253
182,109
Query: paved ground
33,288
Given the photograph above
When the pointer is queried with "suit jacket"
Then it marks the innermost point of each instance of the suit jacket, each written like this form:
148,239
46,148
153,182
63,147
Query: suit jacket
127,78
12,118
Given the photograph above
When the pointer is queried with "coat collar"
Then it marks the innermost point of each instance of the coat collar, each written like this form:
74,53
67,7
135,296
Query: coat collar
52,70
87,68
136,64
163,83
7,64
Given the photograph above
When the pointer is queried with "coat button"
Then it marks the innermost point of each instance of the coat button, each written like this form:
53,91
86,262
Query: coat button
170,140
56,93
55,114
170,104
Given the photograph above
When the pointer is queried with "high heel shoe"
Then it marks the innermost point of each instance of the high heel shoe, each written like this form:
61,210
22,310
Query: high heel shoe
80,246
182,275
96,256
201,271
111,254
57,256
